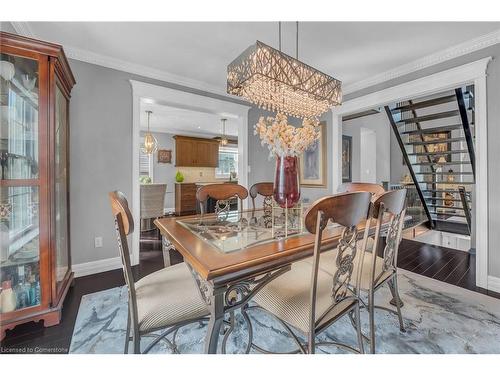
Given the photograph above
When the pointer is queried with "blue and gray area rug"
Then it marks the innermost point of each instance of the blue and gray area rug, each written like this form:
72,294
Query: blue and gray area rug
439,318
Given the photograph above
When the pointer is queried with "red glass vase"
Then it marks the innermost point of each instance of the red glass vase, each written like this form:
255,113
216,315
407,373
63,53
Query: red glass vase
286,181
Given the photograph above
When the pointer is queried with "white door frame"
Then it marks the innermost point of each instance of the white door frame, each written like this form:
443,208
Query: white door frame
185,100
474,72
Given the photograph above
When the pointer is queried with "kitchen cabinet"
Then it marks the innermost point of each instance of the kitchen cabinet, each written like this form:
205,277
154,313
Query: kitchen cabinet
196,152
185,198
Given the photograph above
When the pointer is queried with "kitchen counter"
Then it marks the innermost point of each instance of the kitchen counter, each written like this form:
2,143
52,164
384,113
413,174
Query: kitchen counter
203,183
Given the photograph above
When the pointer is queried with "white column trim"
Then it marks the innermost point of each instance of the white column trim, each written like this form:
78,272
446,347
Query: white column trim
136,205
185,100
336,169
474,72
481,207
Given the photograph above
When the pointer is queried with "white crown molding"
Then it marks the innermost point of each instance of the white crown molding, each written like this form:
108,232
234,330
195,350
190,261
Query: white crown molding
140,70
458,50
23,28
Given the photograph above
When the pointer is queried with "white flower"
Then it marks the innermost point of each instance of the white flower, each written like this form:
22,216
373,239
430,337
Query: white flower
283,139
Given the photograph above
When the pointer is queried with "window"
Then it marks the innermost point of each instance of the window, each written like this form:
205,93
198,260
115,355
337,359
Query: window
145,163
228,162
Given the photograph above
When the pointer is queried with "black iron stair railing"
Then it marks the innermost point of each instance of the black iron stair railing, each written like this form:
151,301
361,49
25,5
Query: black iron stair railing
408,163
467,131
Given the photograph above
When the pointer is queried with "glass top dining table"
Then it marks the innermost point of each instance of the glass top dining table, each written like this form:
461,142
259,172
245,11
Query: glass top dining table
238,230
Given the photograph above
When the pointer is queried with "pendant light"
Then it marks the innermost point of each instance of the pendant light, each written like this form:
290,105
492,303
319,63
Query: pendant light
278,82
223,139
150,143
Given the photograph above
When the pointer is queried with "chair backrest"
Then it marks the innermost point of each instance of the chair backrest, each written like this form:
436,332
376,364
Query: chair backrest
221,193
349,210
152,200
389,210
348,187
124,225
265,189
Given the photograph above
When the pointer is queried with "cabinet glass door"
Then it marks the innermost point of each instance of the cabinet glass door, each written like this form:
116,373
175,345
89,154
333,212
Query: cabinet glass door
61,186
19,189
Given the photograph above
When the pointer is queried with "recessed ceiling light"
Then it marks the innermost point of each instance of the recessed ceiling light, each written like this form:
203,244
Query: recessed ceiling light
199,127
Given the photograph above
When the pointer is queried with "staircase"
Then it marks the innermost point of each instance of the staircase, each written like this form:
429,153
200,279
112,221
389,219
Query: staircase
436,137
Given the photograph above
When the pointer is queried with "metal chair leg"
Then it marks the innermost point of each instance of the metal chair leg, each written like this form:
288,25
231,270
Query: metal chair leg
358,329
311,342
136,340
249,327
371,313
127,334
393,286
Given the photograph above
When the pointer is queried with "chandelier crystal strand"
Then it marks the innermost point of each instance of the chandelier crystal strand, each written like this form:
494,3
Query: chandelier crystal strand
274,81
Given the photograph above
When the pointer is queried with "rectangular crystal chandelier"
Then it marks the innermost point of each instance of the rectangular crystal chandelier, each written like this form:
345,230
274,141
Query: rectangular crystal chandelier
277,82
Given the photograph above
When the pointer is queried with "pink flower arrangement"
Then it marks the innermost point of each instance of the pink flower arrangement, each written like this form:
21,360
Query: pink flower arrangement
283,139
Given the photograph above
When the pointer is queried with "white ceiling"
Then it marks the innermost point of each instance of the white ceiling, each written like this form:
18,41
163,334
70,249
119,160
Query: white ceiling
185,122
201,51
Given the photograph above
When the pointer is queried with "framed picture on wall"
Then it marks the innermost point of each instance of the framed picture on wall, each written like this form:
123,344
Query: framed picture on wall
164,156
313,162
346,158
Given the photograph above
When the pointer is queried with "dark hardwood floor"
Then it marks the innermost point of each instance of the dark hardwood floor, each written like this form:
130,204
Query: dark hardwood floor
451,266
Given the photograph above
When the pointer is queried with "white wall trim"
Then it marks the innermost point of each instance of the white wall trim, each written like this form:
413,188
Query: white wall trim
474,72
103,265
185,100
450,53
494,283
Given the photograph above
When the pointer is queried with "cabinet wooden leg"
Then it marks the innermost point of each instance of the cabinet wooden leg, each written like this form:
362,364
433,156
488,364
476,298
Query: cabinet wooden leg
51,319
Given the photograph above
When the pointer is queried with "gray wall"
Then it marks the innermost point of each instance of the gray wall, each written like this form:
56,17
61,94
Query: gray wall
7,27
262,167
101,160
380,125
493,92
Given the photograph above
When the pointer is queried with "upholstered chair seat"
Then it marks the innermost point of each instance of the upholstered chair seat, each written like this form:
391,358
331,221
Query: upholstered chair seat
288,297
167,297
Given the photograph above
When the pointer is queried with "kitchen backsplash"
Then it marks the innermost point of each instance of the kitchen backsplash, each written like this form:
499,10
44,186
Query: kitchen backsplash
195,174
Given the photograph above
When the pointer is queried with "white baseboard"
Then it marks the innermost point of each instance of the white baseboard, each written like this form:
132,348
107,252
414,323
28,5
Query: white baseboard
494,283
103,265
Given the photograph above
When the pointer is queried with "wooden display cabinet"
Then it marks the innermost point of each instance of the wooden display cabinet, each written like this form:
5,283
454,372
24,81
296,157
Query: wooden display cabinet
35,264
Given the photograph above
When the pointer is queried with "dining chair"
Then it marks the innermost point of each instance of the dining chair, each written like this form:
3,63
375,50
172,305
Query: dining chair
152,204
166,299
375,189
310,299
380,268
222,193
264,189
